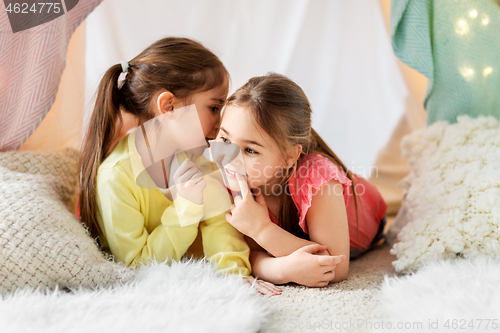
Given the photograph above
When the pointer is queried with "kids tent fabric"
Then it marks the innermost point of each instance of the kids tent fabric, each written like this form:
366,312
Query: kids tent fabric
31,64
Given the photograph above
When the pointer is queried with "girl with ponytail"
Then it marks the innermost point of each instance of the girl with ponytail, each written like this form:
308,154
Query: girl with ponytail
136,224
310,213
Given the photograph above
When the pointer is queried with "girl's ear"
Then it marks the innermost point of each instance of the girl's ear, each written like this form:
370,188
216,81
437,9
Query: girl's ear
165,102
293,156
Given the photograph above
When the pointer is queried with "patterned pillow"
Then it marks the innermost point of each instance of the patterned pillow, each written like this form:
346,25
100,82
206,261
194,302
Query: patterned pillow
42,244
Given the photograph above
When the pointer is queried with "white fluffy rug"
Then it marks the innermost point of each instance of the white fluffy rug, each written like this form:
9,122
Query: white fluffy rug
461,295
184,297
347,306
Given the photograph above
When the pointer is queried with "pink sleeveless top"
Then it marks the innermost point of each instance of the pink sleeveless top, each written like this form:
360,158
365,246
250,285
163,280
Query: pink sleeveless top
316,170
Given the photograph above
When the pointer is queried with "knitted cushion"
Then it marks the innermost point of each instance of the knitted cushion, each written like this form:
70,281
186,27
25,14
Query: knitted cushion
453,198
42,244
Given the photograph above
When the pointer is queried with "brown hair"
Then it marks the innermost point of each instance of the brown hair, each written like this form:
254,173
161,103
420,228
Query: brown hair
179,65
282,110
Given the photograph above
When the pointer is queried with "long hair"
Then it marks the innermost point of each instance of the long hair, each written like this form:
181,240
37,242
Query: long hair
178,65
282,110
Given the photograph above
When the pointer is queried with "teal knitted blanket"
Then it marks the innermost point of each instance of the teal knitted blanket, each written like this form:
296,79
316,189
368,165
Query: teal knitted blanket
456,45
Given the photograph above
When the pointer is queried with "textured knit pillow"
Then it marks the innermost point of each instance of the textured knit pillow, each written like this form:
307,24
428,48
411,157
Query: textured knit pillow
42,244
453,198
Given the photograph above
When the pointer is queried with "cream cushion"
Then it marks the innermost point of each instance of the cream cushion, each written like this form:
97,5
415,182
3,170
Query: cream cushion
452,203
42,244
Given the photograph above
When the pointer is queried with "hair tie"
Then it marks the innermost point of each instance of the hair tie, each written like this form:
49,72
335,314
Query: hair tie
125,66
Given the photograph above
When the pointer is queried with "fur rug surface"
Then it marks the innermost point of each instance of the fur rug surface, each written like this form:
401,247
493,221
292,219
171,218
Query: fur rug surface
184,297
191,297
454,295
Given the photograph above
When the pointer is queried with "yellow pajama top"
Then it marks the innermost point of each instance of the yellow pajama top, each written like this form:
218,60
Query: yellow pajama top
140,225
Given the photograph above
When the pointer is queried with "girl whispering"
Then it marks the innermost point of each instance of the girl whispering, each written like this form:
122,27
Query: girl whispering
137,224
311,214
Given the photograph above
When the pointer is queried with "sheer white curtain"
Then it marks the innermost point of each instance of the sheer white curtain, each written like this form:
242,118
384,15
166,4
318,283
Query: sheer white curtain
338,51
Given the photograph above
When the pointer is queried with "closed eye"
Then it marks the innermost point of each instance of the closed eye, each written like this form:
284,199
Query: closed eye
215,109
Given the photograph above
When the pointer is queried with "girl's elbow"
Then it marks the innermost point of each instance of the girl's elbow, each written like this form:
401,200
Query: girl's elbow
339,278
341,275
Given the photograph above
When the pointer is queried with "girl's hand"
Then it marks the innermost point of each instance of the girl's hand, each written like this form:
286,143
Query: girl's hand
190,182
306,267
263,287
248,216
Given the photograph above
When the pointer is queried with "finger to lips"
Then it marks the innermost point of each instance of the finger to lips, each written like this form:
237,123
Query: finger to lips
243,185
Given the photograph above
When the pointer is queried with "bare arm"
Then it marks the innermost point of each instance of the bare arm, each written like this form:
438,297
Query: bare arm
279,242
303,266
265,266
292,258
327,224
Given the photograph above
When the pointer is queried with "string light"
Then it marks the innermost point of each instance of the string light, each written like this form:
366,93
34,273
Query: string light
486,20
462,27
467,73
487,71
473,13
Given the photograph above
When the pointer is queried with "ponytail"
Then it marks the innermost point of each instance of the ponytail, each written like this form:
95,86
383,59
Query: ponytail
101,133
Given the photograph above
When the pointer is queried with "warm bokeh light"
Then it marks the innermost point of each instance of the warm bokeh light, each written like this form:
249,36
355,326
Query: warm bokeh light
462,27
487,71
467,72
